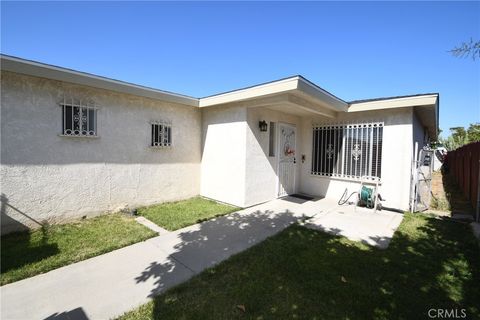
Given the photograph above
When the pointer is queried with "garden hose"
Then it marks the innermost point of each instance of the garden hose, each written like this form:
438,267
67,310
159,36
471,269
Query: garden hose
341,202
366,195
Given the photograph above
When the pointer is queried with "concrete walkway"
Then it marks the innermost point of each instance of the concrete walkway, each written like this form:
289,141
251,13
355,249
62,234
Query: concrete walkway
109,285
106,286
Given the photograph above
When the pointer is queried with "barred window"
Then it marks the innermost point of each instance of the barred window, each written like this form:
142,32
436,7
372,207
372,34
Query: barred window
79,119
161,134
348,150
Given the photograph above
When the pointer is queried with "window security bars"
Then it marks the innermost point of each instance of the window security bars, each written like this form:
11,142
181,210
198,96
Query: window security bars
348,150
161,134
79,119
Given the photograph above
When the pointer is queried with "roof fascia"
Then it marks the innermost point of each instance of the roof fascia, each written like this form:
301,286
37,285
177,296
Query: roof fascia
36,69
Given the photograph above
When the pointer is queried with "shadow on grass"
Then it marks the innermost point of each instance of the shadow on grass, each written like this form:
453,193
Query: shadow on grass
302,273
17,249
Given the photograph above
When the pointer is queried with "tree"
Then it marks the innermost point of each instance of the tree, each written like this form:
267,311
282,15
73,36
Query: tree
473,132
459,136
466,49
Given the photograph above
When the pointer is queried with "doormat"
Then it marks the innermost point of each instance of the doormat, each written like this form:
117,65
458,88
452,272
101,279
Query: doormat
301,196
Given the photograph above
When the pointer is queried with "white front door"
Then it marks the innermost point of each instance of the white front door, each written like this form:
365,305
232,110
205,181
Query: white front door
286,159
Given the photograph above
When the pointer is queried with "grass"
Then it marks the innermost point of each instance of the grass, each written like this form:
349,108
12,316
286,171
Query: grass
176,215
306,274
438,203
25,254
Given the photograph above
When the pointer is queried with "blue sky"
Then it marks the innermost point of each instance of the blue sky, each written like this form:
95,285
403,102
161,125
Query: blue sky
355,50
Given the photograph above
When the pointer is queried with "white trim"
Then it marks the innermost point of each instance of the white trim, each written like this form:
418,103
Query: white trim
290,85
37,69
424,100
298,91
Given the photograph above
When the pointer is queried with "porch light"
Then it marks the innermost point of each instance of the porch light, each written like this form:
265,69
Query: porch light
263,126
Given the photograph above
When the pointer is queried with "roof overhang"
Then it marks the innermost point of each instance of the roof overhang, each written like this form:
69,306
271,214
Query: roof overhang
296,92
425,106
294,95
36,69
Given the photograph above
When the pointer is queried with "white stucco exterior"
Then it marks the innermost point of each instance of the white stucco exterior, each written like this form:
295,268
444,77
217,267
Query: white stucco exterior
218,149
262,170
396,158
48,177
224,154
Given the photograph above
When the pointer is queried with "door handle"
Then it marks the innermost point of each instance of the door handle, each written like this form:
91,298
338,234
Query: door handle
294,160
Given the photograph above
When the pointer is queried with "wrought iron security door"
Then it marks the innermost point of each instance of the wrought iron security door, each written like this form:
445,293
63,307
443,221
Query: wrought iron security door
286,159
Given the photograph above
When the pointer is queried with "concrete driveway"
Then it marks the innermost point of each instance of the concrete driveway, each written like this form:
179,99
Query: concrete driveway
106,286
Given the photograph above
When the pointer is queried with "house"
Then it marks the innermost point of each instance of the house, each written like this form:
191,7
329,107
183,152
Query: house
76,144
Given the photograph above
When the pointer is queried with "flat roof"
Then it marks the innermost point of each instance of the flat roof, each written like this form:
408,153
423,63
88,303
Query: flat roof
42,70
296,85
425,106
394,97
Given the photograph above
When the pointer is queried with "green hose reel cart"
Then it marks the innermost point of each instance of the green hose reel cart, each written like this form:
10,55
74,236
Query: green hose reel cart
368,195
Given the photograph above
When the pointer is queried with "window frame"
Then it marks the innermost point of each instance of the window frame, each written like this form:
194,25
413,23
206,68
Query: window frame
166,125
351,134
89,106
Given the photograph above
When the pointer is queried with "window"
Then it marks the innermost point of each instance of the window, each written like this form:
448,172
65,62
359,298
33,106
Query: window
348,150
271,141
79,120
161,134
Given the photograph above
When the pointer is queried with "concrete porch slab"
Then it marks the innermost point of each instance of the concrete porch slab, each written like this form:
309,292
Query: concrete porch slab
375,229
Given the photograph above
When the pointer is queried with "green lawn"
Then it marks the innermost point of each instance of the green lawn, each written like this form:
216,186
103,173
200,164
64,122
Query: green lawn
27,254
176,215
306,274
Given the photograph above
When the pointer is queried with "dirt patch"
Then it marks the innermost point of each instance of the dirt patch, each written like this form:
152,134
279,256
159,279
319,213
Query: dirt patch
448,199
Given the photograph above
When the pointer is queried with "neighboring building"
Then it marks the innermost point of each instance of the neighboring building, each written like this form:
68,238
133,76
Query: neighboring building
76,144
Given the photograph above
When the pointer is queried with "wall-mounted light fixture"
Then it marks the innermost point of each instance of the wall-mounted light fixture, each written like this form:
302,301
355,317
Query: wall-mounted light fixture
263,126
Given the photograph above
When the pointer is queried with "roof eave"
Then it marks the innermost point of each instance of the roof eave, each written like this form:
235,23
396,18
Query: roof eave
429,104
36,69
295,85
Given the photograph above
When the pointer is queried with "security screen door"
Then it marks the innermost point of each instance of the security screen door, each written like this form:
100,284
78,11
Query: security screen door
286,159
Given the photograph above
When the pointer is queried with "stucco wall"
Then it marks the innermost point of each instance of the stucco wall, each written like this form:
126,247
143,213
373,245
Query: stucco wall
419,134
396,157
48,177
224,154
261,170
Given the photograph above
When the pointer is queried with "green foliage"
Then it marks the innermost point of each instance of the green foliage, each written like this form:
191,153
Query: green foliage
438,203
459,137
473,132
26,254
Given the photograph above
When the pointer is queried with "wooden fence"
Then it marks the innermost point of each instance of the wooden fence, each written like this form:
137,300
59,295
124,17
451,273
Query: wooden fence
464,165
